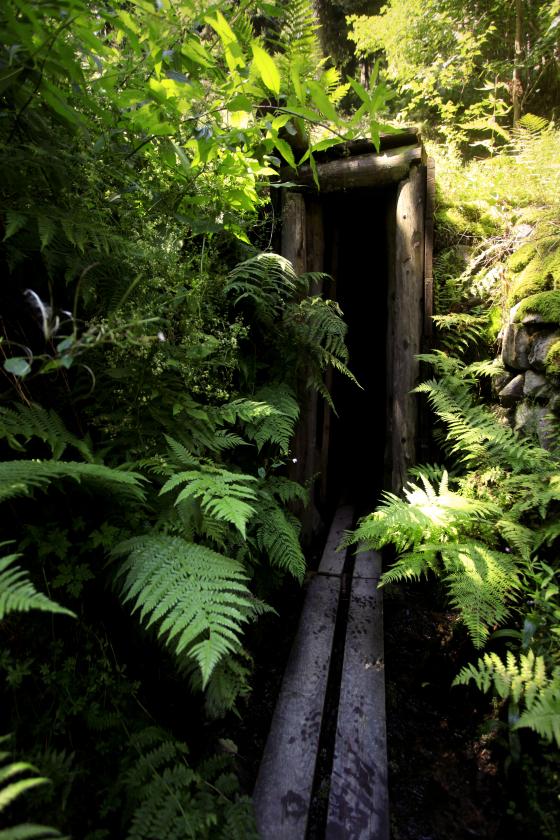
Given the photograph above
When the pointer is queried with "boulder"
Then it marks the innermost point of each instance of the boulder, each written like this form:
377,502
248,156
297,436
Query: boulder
535,385
527,416
535,321
516,345
547,429
513,391
538,350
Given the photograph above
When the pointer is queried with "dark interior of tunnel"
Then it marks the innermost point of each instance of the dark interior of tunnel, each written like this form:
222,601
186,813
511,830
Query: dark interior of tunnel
357,228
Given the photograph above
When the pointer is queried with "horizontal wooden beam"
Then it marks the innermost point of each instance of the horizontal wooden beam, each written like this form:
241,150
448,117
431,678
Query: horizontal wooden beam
371,170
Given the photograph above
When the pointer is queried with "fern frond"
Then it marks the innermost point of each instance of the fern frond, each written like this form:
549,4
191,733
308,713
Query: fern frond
173,801
11,788
228,684
224,495
287,491
525,682
276,426
29,421
198,598
17,593
543,716
21,478
267,281
480,583
277,536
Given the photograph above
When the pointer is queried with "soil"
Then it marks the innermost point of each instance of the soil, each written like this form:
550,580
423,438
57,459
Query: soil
444,779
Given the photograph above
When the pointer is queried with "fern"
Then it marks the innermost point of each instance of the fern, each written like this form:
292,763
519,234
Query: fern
268,419
197,598
473,433
461,330
223,495
228,684
172,801
21,478
11,788
17,593
277,537
268,281
435,531
28,422
525,682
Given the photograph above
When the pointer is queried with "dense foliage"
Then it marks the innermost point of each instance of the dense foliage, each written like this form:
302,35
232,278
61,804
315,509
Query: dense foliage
152,363
467,71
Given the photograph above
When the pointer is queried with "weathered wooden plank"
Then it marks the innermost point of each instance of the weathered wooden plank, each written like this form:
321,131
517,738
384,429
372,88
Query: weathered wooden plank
332,561
429,251
367,565
283,790
406,318
370,170
294,239
358,799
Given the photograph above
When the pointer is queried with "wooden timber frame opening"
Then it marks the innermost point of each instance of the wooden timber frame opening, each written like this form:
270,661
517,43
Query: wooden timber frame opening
370,227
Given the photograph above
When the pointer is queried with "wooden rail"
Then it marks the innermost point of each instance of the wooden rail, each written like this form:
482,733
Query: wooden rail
358,803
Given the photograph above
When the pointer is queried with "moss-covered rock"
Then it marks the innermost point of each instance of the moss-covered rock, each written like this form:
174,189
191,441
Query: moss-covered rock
545,304
540,273
522,257
553,358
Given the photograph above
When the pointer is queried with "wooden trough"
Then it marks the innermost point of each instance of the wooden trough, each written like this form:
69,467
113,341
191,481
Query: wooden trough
287,783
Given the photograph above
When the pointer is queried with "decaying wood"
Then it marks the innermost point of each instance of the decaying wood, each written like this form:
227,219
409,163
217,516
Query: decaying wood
371,170
405,321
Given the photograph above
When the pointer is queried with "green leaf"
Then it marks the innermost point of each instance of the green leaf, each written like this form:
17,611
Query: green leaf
267,69
17,366
322,101
286,151
15,221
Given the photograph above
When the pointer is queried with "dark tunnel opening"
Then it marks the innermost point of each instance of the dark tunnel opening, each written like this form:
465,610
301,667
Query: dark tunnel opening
359,230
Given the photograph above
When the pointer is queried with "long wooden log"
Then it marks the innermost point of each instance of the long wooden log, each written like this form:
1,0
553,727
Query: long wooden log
372,170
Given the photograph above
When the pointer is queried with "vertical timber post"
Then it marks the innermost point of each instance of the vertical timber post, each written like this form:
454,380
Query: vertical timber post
405,327
302,245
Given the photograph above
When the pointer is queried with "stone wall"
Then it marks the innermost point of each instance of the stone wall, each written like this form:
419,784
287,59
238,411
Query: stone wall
529,389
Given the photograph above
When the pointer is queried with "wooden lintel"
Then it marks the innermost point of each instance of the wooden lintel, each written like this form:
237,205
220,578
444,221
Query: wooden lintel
371,170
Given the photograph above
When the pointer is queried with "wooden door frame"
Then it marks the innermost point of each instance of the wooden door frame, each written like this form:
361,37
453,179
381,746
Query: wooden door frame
410,295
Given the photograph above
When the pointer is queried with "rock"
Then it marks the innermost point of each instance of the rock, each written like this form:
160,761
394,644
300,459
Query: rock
515,347
527,417
513,391
500,380
554,404
547,429
534,320
539,348
513,312
535,385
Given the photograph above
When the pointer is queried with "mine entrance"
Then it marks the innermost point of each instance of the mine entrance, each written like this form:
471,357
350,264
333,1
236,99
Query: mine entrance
357,229
369,226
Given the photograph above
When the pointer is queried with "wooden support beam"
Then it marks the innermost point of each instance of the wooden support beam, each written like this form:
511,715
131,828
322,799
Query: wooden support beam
429,251
371,170
332,561
358,799
282,794
405,323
